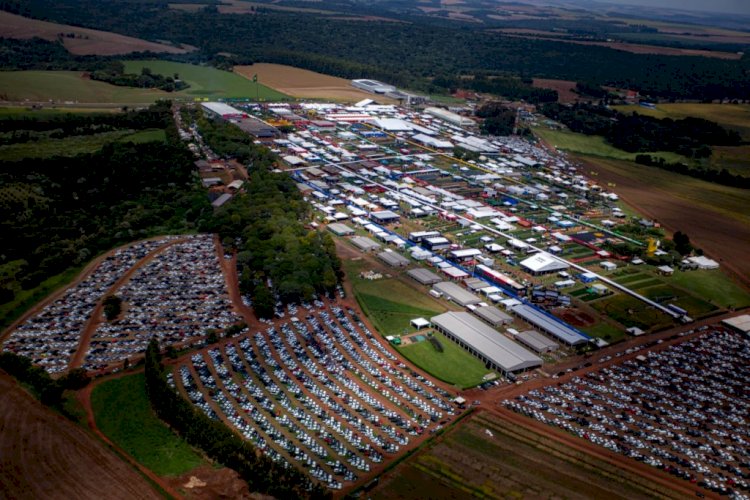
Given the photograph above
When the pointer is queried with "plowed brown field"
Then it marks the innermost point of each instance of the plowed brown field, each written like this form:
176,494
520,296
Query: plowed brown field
85,41
42,455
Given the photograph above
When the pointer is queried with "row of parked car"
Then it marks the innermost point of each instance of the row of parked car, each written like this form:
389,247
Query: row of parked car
319,392
685,409
51,337
177,296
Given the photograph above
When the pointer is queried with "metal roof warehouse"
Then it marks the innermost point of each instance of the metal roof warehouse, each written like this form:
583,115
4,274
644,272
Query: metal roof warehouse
424,276
456,293
393,259
487,344
493,315
557,329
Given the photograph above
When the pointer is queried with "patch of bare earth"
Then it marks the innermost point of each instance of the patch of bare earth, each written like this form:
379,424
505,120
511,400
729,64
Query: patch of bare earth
564,88
43,455
303,83
206,483
83,41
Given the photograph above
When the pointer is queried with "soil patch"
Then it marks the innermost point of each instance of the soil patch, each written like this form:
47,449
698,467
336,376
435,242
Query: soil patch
43,455
564,89
84,41
574,317
303,83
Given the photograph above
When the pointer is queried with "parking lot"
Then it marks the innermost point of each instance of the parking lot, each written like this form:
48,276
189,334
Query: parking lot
51,336
317,391
682,410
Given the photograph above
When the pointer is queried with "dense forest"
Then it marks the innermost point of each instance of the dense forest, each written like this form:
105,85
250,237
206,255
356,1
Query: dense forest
690,137
278,257
60,212
497,119
221,444
413,54
114,73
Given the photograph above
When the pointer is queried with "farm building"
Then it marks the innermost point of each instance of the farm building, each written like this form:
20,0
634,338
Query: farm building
424,276
536,341
221,200
739,323
393,259
456,293
543,263
549,325
219,110
703,262
454,273
373,86
436,243
475,284
384,217
450,117
340,229
365,244
497,351
258,128
493,316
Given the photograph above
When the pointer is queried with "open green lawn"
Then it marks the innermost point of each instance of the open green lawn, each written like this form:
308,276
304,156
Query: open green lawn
454,365
70,86
77,144
594,145
391,317
605,331
665,294
712,286
124,415
206,81
18,112
629,311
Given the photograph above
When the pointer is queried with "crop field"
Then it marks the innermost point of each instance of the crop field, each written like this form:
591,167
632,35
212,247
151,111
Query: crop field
319,392
297,82
714,217
43,455
596,146
123,413
488,457
86,41
454,365
208,82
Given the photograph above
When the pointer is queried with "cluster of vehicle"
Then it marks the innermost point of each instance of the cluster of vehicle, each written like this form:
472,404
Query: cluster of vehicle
51,337
177,296
320,392
685,410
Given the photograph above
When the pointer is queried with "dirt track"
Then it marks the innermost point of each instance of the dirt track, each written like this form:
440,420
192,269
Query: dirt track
43,455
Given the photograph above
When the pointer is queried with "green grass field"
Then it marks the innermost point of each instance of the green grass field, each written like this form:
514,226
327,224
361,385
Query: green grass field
391,317
713,286
16,112
124,415
70,86
454,365
71,146
605,331
594,145
207,82
733,116
629,311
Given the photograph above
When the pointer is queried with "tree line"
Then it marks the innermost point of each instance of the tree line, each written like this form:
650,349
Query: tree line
407,54
635,133
220,443
279,258
114,73
58,213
